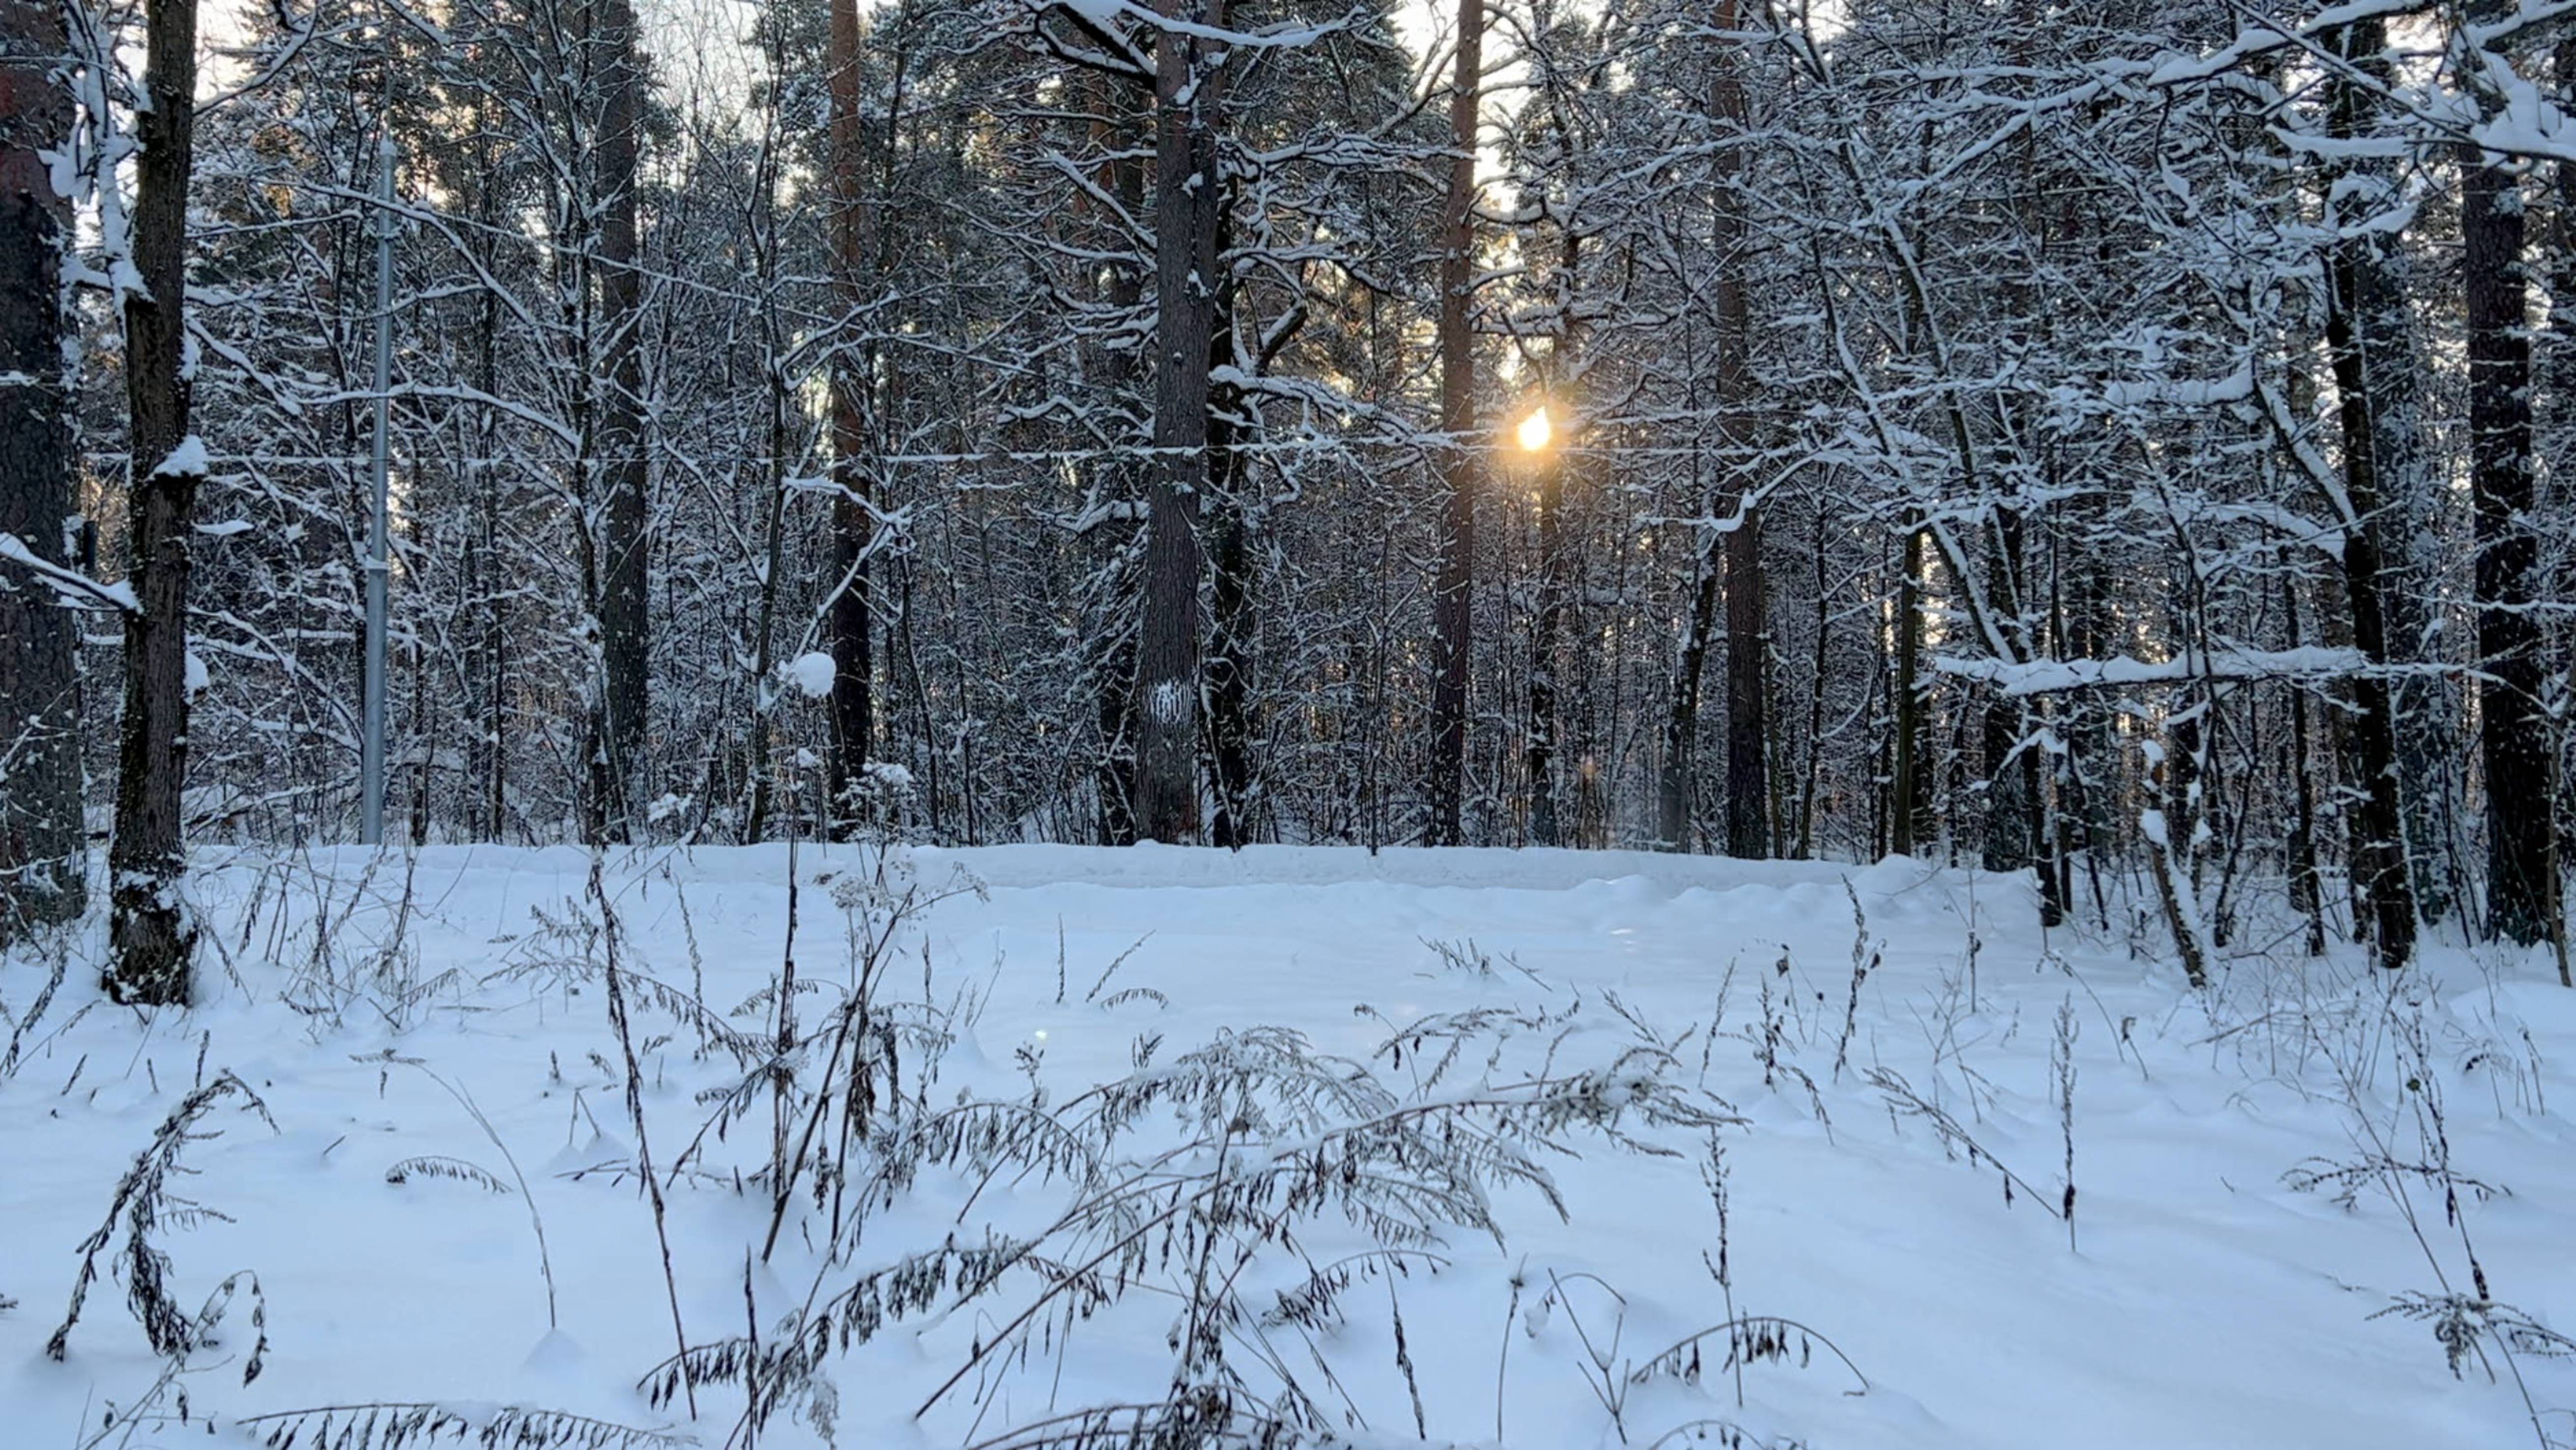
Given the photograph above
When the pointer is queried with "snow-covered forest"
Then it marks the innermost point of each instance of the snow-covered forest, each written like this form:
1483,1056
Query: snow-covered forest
1639,648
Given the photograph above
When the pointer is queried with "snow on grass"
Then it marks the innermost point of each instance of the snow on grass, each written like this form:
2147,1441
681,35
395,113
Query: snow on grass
446,1214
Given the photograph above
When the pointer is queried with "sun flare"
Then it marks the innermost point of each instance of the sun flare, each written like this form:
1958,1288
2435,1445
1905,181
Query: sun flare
1536,430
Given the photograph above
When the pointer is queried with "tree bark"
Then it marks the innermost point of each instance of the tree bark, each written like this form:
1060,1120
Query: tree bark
1803,846
2558,383
1910,806
1748,631
1188,93
618,755
1677,785
849,619
2394,368
2514,740
150,928
1230,725
766,690
43,876
1453,612
1539,748
2379,868
1111,657
2011,783
2307,893
1748,702
1229,670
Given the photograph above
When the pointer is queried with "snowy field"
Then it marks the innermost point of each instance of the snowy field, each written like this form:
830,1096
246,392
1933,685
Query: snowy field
437,1192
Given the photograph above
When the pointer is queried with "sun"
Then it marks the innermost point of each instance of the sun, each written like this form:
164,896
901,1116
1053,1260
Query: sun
1535,431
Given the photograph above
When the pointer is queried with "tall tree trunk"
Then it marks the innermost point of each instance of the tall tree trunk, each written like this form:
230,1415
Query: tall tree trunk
43,876
617,760
885,404
1910,806
1677,784
2558,383
1748,631
1453,601
2394,368
150,928
2088,773
2018,830
1111,656
1547,626
1748,702
1229,670
2307,893
1539,749
1803,846
1188,94
765,687
2379,855
849,617
1230,723
2514,737
2010,781
488,771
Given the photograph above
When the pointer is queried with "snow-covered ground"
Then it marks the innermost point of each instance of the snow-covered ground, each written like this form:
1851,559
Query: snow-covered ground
2204,1296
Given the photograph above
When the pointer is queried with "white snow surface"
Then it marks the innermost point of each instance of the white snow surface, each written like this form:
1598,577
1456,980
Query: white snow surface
2205,1301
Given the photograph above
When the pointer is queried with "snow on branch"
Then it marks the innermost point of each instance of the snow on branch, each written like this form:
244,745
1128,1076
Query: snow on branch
77,590
2263,35
2043,677
1105,14
2235,387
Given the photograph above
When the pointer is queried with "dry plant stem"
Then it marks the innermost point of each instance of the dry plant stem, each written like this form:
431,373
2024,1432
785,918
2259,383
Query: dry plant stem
1724,1268
143,1410
1404,1362
1612,1396
1115,963
474,1110
1734,1329
1901,1094
1062,1283
850,1012
1862,960
1190,1342
781,1183
2438,1149
45,998
2062,1060
138,1200
510,1425
19,1029
751,1366
854,1018
635,1112
992,1343
1697,1432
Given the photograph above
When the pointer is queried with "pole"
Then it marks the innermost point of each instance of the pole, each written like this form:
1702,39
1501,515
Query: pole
371,767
